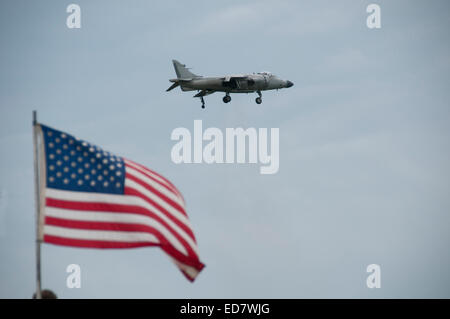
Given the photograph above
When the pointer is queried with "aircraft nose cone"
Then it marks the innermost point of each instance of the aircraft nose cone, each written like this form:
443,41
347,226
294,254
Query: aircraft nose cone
289,84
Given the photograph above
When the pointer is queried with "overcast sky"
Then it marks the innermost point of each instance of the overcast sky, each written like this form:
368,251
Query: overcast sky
364,143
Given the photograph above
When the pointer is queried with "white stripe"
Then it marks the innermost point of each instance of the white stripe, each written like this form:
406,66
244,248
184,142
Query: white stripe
174,212
169,208
161,180
128,218
101,235
92,197
171,195
191,271
124,200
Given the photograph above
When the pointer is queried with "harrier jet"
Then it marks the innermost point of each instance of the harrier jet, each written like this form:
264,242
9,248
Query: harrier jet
240,83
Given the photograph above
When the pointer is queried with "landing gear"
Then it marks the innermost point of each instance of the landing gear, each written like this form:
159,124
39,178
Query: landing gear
226,98
258,100
203,102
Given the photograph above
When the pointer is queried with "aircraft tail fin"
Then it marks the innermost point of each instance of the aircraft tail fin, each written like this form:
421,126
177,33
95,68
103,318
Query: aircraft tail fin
182,71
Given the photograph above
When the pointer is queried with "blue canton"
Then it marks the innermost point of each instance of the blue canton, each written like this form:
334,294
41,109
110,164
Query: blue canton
76,165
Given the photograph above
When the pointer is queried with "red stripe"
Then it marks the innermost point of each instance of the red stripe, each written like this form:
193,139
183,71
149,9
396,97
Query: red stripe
82,243
89,225
120,208
156,192
147,172
93,243
133,192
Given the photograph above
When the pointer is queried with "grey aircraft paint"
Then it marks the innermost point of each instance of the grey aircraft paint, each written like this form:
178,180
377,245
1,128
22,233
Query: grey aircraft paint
241,83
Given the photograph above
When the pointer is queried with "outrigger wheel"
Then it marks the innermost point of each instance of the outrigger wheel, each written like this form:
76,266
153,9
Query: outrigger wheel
203,102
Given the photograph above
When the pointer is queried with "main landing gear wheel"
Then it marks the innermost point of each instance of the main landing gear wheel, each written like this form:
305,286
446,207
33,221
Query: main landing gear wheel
226,99
259,98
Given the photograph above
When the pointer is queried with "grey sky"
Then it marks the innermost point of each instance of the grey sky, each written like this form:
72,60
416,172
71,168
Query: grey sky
364,142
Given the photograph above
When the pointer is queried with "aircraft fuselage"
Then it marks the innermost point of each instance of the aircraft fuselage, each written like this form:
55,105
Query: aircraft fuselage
242,83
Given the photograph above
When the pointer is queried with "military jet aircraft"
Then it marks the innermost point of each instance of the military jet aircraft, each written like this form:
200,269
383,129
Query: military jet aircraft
241,83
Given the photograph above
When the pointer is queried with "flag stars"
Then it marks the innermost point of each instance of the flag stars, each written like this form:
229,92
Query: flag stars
77,165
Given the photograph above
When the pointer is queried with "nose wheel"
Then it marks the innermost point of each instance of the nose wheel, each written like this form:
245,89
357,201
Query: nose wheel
226,99
258,100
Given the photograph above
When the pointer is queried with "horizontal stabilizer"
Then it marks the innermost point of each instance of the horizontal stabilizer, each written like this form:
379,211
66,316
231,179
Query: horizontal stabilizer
173,86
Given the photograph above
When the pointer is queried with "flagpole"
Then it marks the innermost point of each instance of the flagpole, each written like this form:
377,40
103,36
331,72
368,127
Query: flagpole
38,205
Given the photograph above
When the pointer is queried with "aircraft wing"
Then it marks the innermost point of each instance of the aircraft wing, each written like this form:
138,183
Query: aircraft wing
204,93
228,78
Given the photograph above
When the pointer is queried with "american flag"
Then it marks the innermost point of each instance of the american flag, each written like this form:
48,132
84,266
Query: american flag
96,199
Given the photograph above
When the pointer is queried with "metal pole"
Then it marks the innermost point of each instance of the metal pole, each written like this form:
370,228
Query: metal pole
38,205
